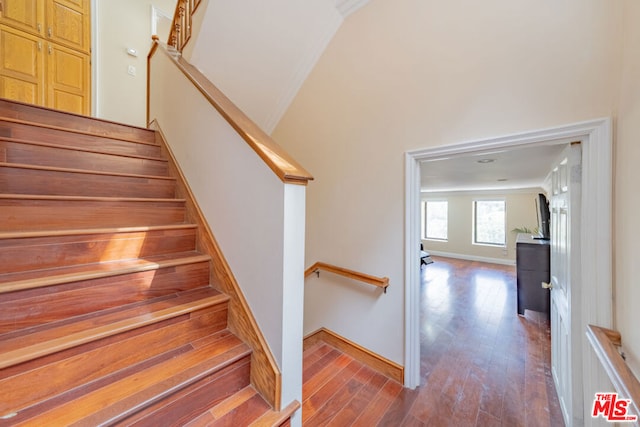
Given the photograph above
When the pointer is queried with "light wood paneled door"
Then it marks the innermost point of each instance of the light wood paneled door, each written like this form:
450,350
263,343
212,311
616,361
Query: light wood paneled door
68,23
21,66
44,58
68,79
26,15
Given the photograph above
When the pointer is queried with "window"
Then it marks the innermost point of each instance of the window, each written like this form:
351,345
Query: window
434,219
489,222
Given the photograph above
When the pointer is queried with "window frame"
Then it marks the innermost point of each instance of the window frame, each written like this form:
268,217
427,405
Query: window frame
425,229
474,232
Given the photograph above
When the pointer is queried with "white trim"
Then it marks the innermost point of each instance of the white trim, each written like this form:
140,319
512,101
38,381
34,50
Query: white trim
596,231
156,14
501,261
347,7
94,58
412,272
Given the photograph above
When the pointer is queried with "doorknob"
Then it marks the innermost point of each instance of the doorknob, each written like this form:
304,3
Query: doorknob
547,285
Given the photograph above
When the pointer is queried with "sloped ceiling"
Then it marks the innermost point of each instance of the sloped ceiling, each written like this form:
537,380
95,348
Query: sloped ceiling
259,53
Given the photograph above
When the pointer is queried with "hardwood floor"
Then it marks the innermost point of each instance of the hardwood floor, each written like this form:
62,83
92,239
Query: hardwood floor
481,363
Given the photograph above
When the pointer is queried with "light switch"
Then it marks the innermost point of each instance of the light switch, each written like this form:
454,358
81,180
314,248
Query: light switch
131,70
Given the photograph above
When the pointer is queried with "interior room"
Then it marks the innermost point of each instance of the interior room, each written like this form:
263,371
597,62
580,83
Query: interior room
474,210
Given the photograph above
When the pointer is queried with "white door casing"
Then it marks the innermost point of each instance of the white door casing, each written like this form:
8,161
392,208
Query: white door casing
566,349
595,260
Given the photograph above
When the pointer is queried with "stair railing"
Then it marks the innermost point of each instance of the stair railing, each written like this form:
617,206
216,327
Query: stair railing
381,282
182,23
606,344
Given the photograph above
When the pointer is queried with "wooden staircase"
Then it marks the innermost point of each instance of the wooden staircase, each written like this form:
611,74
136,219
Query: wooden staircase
107,314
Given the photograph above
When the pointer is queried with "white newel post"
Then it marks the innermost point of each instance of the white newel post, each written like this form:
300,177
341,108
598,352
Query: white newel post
293,296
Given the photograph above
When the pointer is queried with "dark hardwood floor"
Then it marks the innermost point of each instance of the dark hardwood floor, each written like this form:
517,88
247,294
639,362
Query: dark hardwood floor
481,363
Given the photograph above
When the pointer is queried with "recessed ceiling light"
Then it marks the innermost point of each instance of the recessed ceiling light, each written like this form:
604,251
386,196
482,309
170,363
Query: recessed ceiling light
486,160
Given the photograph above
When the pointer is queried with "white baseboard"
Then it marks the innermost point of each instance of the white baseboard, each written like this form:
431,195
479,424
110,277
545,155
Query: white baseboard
473,258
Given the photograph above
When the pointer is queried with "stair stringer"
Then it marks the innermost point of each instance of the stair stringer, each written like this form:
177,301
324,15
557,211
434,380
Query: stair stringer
265,373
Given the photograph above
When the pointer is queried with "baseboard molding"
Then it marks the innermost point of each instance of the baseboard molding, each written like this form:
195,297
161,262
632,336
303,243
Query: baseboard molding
472,257
369,358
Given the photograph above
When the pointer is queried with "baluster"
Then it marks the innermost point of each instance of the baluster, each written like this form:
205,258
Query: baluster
178,37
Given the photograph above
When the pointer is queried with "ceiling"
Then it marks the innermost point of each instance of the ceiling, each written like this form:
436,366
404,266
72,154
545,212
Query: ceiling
508,169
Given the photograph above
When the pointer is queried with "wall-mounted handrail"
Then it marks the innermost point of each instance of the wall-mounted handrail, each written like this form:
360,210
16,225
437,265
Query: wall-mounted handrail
278,160
381,282
604,342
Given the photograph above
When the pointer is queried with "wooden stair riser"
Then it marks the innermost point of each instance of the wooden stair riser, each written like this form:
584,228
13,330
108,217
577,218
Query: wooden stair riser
107,313
36,114
122,398
28,344
55,156
18,180
37,253
24,215
33,307
190,402
106,358
76,140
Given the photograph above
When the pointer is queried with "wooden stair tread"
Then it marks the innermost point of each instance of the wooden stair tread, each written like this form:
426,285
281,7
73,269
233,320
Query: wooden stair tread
90,231
242,408
47,154
116,400
66,120
106,360
108,315
76,131
34,279
45,197
232,402
82,171
240,411
275,418
59,336
81,149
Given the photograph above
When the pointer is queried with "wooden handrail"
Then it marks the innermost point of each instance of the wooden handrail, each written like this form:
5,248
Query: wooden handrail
381,282
278,160
604,342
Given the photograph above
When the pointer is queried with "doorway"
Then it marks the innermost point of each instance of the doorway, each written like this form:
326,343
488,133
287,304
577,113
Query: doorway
596,233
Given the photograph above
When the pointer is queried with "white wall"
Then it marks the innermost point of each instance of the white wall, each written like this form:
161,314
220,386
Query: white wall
627,197
409,74
520,212
259,52
257,220
122,24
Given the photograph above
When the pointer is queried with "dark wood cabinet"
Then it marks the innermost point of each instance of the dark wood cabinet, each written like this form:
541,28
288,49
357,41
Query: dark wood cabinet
533,267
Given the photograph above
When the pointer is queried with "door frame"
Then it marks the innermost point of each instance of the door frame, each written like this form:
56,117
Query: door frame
596,232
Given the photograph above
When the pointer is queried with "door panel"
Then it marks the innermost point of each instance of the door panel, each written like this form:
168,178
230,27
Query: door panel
566,348
27,15
68,23
68,80
21,66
